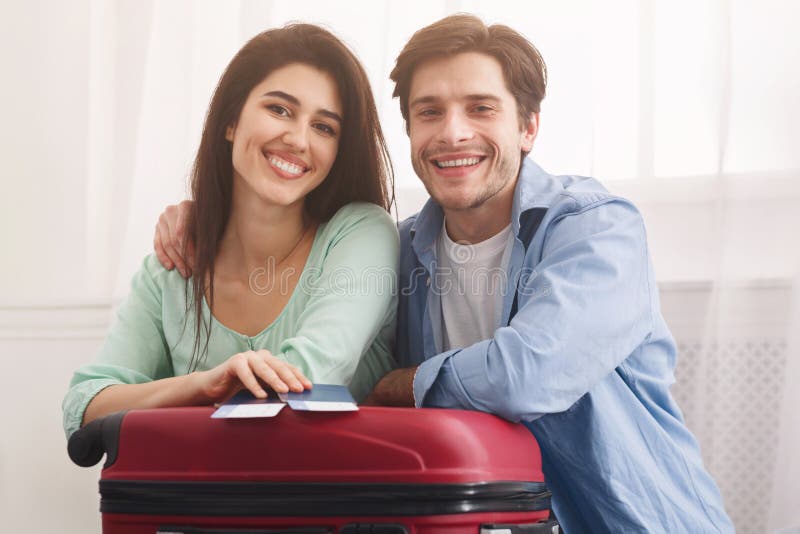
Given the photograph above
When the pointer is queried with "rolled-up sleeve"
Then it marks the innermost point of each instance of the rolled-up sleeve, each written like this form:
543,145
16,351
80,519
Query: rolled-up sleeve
353,305
134,351
583,309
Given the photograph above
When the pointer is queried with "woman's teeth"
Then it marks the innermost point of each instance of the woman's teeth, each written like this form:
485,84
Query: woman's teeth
285,166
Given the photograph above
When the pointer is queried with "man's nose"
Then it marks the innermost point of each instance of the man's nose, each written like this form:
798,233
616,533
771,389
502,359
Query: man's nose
456,128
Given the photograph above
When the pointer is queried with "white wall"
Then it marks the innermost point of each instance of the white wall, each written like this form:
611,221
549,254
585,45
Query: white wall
44,103
40,489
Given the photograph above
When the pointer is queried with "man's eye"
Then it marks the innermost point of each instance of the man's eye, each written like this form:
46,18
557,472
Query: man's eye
483,109
278,110
428,113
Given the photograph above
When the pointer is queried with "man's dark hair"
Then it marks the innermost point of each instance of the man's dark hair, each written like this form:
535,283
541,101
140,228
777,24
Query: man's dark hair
523,67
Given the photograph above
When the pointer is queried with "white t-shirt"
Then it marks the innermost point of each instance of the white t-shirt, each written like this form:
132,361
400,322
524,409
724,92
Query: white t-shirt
471,280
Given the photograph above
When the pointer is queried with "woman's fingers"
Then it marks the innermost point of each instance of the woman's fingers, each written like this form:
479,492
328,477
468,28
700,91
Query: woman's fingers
280,375
286,375
267,374
241,364
254,369
301,377
282,378
290,374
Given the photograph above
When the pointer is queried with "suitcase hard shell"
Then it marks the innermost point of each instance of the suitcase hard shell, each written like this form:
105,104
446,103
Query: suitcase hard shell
377,470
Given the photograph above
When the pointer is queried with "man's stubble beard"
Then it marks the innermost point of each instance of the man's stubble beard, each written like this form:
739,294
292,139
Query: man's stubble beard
507,170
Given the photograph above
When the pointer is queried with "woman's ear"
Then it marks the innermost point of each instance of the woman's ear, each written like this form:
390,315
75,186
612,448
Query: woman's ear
229,133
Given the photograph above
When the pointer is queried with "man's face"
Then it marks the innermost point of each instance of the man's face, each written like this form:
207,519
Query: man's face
465,132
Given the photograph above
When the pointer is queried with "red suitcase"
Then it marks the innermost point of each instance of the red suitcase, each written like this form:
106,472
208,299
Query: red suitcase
377,470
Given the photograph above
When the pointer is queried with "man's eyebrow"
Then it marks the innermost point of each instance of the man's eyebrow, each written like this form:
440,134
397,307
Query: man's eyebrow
293,100
424,100
483,96
430,99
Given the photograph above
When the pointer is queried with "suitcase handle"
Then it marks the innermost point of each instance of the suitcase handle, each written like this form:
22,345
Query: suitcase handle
201,530
549,527
87,445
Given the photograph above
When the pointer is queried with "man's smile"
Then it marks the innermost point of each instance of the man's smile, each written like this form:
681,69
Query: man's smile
457,161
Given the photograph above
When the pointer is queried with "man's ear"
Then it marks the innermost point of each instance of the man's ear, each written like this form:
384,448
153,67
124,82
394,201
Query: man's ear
529,131
229,133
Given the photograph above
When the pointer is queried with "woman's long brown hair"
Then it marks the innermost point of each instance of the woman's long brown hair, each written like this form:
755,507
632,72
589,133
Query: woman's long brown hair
361,172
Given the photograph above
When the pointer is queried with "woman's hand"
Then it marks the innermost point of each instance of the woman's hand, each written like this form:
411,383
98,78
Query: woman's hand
169,238
244,370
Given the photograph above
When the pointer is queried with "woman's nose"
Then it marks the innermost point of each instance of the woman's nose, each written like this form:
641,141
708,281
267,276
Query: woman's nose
296,136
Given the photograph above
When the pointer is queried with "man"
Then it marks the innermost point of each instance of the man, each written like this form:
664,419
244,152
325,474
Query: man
532,296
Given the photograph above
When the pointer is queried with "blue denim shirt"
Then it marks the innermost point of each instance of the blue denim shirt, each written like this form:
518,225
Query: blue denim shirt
585,363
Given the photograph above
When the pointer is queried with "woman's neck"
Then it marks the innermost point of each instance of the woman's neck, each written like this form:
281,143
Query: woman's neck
258,234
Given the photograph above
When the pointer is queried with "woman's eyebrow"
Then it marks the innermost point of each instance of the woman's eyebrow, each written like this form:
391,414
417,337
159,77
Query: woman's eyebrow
286,96
331,115
293,100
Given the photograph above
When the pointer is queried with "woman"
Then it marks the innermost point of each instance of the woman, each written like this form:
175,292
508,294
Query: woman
294,252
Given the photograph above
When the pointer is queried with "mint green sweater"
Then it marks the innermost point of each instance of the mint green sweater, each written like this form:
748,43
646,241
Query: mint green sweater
337,327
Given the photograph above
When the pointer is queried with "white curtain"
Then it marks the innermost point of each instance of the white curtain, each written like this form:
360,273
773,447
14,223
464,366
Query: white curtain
687,107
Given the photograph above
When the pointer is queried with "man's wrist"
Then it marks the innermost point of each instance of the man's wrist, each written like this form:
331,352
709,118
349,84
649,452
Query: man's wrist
413,391
397,388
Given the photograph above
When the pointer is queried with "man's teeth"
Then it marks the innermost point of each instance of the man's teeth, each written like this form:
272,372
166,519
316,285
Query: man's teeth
458,162
285,166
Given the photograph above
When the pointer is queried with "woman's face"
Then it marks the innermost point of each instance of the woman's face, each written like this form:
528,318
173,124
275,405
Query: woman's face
287,135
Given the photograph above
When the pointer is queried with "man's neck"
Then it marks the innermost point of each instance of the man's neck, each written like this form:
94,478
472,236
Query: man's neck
474,225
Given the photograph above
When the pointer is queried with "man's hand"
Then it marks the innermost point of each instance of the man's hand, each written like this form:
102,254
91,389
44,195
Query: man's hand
394,389
170,234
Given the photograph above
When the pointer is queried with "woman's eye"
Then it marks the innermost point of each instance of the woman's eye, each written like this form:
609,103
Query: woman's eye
278,110
326,129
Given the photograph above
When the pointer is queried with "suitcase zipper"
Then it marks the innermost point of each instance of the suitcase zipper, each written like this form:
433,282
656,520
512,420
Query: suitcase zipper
317,499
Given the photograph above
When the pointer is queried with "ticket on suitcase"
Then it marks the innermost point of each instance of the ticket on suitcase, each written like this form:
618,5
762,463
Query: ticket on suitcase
244,405
321,398
246,411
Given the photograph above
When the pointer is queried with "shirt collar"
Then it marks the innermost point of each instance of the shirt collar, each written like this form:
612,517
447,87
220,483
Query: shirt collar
535,188
426,227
